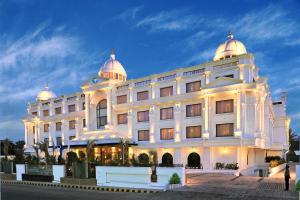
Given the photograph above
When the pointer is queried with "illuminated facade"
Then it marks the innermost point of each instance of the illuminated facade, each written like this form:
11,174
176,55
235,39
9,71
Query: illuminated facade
220,111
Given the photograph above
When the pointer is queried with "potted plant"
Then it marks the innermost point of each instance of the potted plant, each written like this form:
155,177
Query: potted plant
174,182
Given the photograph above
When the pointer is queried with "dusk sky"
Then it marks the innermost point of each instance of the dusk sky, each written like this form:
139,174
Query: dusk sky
65,42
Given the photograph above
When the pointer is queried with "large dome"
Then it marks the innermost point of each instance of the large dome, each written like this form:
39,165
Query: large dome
112,69
230,48
45,94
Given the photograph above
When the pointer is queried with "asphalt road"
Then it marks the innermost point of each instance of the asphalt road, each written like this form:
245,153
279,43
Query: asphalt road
28,192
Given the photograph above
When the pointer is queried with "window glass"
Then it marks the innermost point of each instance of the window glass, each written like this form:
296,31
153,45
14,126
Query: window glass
225,106
143,135
166,133
142,95
71,108
166,113
167,91
143,116
193,86
193,110
121,99
58,110
193,132
46,128
122,118
224,130
45,113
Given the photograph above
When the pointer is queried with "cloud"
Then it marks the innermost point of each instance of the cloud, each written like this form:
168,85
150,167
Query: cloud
269,23
37,57
175,20
129,14
202,56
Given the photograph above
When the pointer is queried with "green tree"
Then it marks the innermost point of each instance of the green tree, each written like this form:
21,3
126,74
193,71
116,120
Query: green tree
293,146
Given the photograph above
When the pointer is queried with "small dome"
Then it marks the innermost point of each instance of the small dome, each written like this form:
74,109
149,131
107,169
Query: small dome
230,48
45,94
112,69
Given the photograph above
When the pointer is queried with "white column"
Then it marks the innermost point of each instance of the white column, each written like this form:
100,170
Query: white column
78,126
177,156
36,132
177,121
51,133
153,90
26,134
207,77
178,85
238,114
206,117
87,111
152,124
38,129
130,94
109,107
207,158
78,98
130,123
64,132
64,106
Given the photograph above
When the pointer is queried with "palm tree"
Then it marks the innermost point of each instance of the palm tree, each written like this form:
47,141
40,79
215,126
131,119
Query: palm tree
124,143
90,150
36,149
43,146
6,145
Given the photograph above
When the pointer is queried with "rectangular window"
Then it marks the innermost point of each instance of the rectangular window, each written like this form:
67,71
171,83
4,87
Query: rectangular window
166,113
72,124
193,110
193,86
167,134
122,118
224,130
143,135
45,113
34,113
83,106
58,141
46,128
58,126
228,76
193,131
83,123
72,137
143,116
225,106
167,91
58,110
71,108
121,99
142,95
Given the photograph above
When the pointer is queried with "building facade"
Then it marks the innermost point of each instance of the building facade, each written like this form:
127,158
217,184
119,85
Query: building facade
217,112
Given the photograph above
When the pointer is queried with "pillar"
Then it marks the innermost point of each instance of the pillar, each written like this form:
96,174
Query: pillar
206,117
130,123
207,158
87,111
109,106
177,121
152,123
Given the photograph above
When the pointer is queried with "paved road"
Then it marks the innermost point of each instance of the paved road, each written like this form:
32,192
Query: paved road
28,192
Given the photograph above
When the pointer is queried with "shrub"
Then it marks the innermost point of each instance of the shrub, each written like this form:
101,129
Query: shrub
144,160
233,166
298,185
71,157
220,165
269,158
175,179
81,155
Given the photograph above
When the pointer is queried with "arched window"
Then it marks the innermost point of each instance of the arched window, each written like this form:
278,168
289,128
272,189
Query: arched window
101,114
194,160
167,160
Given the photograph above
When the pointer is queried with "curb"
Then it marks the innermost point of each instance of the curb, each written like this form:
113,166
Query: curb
83,187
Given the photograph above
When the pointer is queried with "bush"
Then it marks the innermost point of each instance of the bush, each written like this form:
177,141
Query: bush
298,185
233,166
269,158
220,165
175,179
144,160
275,163
71,157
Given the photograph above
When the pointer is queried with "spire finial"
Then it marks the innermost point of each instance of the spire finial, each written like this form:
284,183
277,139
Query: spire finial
230,35
113,54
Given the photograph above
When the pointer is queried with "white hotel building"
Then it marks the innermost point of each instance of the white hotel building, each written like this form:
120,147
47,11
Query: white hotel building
221,111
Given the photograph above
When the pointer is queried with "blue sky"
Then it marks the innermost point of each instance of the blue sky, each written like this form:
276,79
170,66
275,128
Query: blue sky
65,42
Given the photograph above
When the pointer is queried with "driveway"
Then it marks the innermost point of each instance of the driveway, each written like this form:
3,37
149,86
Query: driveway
243,186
